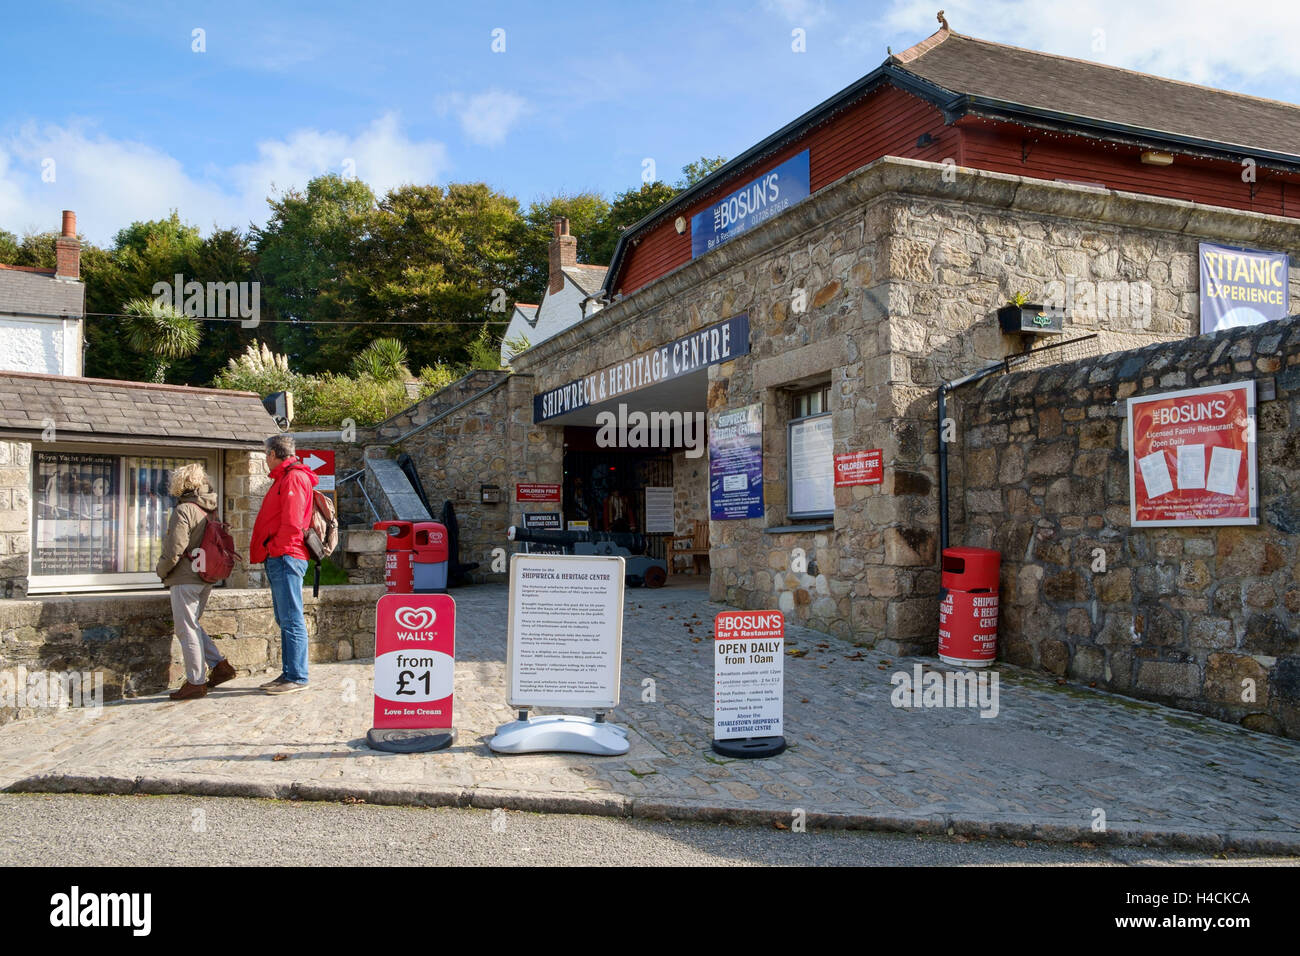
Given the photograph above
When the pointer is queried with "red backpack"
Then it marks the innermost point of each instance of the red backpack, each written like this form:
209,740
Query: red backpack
214,558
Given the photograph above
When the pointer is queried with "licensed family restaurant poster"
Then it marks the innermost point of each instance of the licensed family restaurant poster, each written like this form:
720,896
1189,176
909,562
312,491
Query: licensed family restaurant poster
1192,457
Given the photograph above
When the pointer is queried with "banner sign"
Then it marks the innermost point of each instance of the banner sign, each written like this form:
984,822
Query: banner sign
321,461
752,205
542,521
534,492
812,467
1192,457
565,630
749,674
736,464
1242,286
415,658
710,345
860,468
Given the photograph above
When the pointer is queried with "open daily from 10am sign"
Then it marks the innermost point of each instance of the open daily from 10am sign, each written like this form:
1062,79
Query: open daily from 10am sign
565,632
749,674
415,658
1192,457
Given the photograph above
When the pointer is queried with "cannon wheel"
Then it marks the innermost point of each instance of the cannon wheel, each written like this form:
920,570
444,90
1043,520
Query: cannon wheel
655,577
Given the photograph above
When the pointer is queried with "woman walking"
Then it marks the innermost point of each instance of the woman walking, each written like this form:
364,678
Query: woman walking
189,592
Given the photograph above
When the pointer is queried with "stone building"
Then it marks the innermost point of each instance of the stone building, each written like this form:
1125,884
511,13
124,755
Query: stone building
821,287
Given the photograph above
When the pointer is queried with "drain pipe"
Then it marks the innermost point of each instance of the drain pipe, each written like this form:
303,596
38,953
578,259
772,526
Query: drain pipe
944,389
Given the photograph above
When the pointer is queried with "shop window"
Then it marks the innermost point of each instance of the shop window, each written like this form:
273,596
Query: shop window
810,471
98,519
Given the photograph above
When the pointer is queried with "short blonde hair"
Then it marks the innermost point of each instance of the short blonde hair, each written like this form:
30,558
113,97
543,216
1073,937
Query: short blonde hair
189,477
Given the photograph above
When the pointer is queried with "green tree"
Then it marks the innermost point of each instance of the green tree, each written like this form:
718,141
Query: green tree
160,333
306,257
441,256
383,360
692,173
628,207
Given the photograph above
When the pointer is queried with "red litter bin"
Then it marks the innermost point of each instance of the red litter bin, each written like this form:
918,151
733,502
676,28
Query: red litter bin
398,557
968,607
432,550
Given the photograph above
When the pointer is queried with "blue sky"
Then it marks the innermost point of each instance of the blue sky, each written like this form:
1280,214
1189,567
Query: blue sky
127,121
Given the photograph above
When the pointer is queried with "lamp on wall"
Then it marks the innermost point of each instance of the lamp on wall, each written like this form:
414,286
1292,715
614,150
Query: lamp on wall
1153,158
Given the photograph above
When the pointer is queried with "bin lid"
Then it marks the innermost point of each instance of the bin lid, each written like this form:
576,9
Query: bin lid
430,541
399,534
971,569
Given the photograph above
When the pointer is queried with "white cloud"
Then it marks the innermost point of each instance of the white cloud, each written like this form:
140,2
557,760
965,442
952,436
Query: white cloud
486,118
1200,41
111,183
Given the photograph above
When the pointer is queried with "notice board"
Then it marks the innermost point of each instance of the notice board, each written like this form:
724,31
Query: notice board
1192,457
565,631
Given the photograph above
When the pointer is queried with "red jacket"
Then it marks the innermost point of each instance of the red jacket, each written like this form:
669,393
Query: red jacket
285,513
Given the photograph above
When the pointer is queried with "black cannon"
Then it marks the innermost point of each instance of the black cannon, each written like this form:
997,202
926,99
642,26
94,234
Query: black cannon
641,568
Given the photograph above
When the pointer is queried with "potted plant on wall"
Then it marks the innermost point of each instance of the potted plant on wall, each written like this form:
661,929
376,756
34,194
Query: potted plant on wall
1020,315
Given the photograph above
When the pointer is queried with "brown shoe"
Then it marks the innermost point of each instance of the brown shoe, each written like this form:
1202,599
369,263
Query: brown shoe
188,691
221,673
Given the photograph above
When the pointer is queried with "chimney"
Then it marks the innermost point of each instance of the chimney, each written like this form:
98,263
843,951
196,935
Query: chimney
564,252
67,249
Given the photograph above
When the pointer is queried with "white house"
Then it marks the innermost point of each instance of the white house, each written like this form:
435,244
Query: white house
571,295
42,310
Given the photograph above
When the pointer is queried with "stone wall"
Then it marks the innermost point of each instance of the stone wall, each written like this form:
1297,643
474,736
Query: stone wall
15,516
128,637
1181,615
245,485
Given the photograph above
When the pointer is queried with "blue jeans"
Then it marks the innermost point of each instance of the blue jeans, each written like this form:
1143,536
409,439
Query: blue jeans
284,574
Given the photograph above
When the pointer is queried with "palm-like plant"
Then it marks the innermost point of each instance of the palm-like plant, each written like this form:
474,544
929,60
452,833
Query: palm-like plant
383,360
160,333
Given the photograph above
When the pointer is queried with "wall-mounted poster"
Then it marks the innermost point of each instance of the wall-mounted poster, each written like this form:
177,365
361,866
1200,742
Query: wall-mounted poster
659,511
1241,286
736,464
812,467
1192,457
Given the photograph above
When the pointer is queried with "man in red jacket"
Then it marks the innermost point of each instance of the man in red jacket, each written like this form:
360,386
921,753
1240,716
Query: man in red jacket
277,539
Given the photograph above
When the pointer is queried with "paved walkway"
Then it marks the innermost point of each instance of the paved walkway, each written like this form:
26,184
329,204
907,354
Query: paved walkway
1051,763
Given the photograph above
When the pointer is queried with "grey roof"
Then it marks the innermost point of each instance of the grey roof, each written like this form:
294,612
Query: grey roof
963,64
25,292
587,278
103,410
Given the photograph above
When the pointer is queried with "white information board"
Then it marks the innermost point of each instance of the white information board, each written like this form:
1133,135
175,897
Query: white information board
749,674
659,511
812,467
565,631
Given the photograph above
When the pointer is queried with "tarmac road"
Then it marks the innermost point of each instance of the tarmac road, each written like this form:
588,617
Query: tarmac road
77,830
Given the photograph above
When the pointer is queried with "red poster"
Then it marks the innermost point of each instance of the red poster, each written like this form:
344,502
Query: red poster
860,468
415,657
1192,457
537,492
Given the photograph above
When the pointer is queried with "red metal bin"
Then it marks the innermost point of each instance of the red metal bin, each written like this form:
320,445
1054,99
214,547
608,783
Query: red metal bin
431,545
399,558
968,607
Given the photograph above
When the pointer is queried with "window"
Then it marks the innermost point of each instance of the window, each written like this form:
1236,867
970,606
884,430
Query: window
810,459
98,519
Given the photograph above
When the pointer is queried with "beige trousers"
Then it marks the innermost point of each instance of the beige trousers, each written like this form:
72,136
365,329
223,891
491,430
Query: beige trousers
188,602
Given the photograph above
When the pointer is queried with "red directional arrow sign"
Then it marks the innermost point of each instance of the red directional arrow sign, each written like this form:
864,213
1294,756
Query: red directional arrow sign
322,462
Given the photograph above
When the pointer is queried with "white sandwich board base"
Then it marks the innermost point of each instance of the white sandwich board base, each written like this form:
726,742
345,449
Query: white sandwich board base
561,733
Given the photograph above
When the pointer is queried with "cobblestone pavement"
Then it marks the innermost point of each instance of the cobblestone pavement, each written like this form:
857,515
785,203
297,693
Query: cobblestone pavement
1052,762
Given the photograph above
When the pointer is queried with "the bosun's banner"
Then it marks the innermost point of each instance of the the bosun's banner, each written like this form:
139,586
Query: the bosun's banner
1192,457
